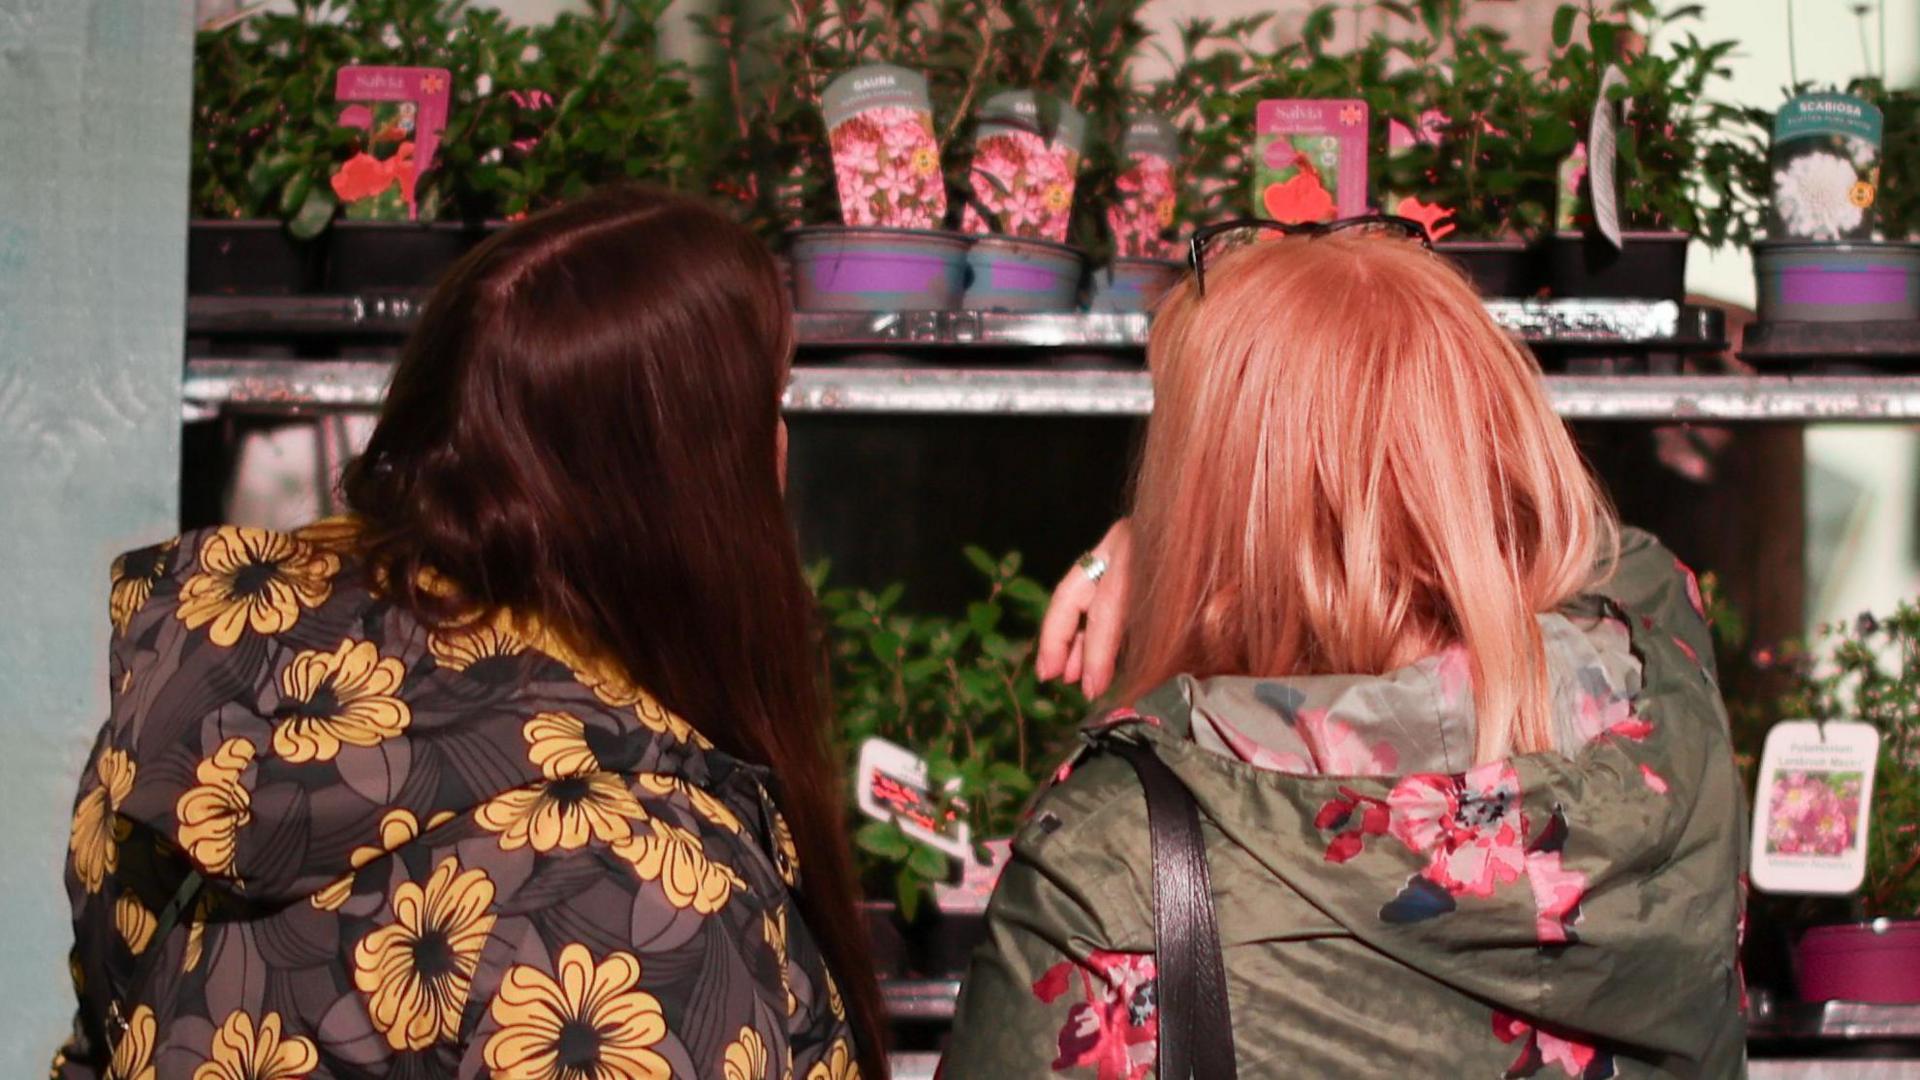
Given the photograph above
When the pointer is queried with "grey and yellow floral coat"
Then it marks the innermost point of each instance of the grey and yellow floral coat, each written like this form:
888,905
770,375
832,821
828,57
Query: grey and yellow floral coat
466,853
1387,907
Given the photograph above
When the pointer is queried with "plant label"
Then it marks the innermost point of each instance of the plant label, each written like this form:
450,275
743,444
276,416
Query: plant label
977,880
399,113
893,786
1143,209
1812,798
1311,159
1826,168
1026,159
1602,143
886,160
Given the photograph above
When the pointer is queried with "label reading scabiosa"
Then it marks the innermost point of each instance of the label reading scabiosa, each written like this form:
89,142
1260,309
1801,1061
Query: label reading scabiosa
1025,161
1311,163
886,160
1826,168
1143,207
1812,800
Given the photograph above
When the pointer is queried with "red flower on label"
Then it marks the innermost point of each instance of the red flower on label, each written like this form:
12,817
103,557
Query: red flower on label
362,177
1303,198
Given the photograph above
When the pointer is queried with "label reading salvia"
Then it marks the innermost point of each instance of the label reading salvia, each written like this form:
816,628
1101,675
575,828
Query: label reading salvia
1811,806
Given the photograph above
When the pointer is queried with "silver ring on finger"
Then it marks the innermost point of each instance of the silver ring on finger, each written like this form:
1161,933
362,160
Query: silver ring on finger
1093,566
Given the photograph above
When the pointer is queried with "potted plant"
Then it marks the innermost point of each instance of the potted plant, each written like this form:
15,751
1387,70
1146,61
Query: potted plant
1666,118
1853,261
1476,158
960,693
1865,947
260,152
774,144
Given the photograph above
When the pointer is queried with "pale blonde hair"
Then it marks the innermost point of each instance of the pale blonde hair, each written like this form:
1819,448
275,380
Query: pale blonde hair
1350,466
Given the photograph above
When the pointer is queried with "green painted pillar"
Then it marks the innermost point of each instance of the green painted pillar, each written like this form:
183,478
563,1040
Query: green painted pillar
93,189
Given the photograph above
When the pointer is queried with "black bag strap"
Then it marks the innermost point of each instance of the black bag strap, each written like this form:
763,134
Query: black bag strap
1196,1031
121,1000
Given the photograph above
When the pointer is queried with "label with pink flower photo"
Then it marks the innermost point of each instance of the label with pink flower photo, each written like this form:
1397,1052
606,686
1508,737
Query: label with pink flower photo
1145,192
886,159
1026,157
1311,159
1811,806
398,114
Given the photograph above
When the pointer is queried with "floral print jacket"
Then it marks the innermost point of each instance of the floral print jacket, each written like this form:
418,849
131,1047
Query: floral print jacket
459,853
1386,907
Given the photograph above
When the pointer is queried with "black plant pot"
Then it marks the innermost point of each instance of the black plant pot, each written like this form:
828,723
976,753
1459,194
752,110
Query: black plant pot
1499,268
1646,266
374,256
252,258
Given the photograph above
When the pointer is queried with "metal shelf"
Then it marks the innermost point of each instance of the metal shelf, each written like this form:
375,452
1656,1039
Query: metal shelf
1645,325
298,387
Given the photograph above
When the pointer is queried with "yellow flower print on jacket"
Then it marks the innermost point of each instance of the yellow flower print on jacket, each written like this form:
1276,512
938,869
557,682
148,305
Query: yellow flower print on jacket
675,858
241,1051
576,803
837,1065
704,803
133,1054
134,575
590,1023
346,696
477,649
745,1058
397,829
252,579
418,970
134,923
92,838
212,813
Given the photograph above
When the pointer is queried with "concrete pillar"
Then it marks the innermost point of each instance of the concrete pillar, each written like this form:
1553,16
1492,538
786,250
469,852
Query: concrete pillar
93,113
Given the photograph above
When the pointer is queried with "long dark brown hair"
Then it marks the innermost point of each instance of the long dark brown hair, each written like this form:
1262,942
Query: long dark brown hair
583,429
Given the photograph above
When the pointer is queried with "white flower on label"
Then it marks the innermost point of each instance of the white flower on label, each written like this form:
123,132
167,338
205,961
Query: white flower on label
530,54
390,36
1862,151
1813,194
483,85
492,157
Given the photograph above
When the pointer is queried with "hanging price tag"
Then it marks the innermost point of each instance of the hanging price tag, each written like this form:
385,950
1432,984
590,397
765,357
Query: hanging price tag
1811,802
1602,153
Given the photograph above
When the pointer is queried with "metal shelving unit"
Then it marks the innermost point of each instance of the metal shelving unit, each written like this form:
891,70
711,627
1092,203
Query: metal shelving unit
1002,364
304,387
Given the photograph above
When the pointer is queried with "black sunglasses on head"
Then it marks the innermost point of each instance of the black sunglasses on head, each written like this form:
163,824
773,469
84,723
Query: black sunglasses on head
1223,236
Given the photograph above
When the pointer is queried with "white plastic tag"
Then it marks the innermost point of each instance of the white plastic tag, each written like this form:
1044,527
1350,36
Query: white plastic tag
893,786
977,880
1811,805
1602,153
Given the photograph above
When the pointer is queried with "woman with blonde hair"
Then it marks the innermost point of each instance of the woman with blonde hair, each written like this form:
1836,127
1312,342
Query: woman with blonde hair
1420,768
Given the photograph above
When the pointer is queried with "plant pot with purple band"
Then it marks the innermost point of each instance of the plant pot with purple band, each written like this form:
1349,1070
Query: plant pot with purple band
1133,284
1018,273
249,258
865,268
1848,281
1646,266
1876,962
371,256
1499,268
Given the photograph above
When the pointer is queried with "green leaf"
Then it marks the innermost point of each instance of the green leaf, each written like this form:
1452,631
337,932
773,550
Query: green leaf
929,863
981,561
917,671
983,617
907,889
884,839
314,213
1563,25
1027,591
853,620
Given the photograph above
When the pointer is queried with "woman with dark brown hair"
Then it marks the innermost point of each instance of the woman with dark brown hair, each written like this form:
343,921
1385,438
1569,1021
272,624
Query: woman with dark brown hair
521,770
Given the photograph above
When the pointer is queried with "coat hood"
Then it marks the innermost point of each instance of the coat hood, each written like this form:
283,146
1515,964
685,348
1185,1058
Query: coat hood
1596,890
281,713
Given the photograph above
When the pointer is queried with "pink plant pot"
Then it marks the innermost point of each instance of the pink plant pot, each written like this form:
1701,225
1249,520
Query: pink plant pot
1876,962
